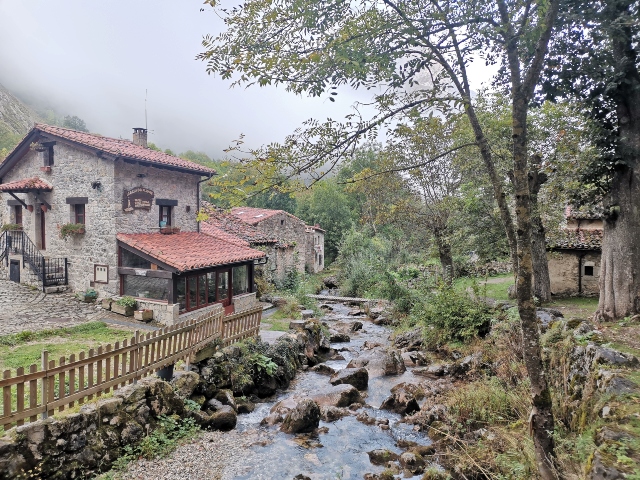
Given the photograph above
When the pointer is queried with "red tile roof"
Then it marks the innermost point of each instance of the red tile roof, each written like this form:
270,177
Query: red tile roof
189,250
222,235
219,220
253,216
27,184
123,148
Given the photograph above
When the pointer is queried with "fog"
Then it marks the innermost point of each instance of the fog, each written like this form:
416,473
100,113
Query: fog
96,59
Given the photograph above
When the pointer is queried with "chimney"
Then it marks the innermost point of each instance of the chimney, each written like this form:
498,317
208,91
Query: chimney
140,137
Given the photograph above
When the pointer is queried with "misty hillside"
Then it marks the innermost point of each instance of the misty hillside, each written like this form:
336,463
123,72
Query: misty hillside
16,119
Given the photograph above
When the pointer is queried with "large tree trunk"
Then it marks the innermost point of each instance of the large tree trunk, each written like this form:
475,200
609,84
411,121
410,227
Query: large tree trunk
541,280
620,265
541,419
444,252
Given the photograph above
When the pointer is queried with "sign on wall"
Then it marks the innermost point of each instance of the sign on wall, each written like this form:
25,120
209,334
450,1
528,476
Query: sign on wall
138,198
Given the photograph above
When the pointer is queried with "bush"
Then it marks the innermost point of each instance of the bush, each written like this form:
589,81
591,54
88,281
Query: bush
449,315
127,301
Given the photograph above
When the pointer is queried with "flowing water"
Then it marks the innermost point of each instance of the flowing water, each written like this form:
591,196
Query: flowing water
339,449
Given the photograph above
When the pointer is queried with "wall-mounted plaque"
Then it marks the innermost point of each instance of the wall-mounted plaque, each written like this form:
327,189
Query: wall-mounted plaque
138,198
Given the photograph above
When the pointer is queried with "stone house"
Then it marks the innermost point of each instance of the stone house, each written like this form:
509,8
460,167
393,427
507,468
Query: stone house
308,241
86,211
574,254
280,257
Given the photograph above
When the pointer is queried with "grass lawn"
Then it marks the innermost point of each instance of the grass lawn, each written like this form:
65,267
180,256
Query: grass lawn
490,287
25,348
278,325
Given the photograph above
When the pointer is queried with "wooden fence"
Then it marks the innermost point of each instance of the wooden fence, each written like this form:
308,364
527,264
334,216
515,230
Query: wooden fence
50,387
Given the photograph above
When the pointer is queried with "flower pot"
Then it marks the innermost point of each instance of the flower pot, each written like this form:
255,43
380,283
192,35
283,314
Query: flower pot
30,208
106,303
143,315
46,169
126,311
43,208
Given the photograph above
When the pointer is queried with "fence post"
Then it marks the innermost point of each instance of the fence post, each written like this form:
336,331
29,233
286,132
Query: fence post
45,383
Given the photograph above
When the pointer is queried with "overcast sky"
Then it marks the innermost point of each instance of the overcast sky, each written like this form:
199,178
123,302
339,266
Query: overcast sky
95,59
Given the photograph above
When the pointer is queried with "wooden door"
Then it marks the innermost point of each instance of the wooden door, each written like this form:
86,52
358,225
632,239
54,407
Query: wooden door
14,271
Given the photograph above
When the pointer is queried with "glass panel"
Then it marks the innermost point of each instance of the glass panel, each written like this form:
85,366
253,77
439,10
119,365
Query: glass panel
181,294
202,290
146,287
193,300
211,277
223,285
240,280
131,260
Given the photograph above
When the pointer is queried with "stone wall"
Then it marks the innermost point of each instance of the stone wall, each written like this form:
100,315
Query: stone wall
72,175
244,302
288,228
163,312
564,269
314,250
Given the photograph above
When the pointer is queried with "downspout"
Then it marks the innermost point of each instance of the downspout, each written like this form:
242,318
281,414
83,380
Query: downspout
198,197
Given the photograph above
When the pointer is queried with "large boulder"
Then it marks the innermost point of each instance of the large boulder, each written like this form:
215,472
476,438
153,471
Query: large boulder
401,401
223,419
305,417
338,396
411,340
185,383
393,363
358,377
338,337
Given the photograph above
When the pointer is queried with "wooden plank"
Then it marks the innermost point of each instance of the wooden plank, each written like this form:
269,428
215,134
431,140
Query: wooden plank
81,386
51,380
123,367
44,387
107,368
6,396
20,395
116,363
90,372
72,379
99,368
61,382
33,392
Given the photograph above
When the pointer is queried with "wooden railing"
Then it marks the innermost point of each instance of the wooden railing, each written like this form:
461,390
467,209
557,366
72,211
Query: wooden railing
43,390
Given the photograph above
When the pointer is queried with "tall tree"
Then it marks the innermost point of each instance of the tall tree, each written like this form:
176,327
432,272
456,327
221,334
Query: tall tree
416,53
600,66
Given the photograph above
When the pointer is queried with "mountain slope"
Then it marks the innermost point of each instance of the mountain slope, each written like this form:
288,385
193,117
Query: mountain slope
16,119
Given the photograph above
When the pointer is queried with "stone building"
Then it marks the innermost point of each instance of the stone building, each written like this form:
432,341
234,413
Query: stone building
88,211
280,257
574,254
307,241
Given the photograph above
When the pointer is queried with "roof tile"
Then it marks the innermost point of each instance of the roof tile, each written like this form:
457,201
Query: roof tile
189,250
123,148
26,184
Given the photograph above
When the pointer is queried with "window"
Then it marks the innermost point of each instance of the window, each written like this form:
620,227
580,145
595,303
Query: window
240,280
588,271
281,222
48,156
165,216
18,214
78,213
146,287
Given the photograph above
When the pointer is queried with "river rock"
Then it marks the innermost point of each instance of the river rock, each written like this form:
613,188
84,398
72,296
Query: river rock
412,462
358,362
393,363
306,314
339,396
331,414
612,382
245,406
356,326
323,369
412,359
358,377
375,312
382,320
411,340
226,398
224,419
305,417
185,383
401,401
330,282
337,337
613,357
381,456
213,405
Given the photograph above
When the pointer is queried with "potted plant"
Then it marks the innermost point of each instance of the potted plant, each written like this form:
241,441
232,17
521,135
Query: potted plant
144,315
125,306
88,296
11,226
69,229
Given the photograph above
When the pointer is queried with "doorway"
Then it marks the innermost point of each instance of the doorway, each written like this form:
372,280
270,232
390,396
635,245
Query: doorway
14,271
224,290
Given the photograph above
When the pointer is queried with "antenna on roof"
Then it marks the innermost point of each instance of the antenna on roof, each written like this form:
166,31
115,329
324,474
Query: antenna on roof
145,109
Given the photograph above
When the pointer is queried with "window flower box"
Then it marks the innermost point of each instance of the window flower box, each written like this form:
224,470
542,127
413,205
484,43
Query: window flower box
169,230
69,229
143,315
122,310
12,227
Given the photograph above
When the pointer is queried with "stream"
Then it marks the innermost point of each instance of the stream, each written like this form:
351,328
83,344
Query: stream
339,449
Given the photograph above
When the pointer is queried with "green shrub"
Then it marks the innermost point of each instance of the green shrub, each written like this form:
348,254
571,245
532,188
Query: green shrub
450,315
127,301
